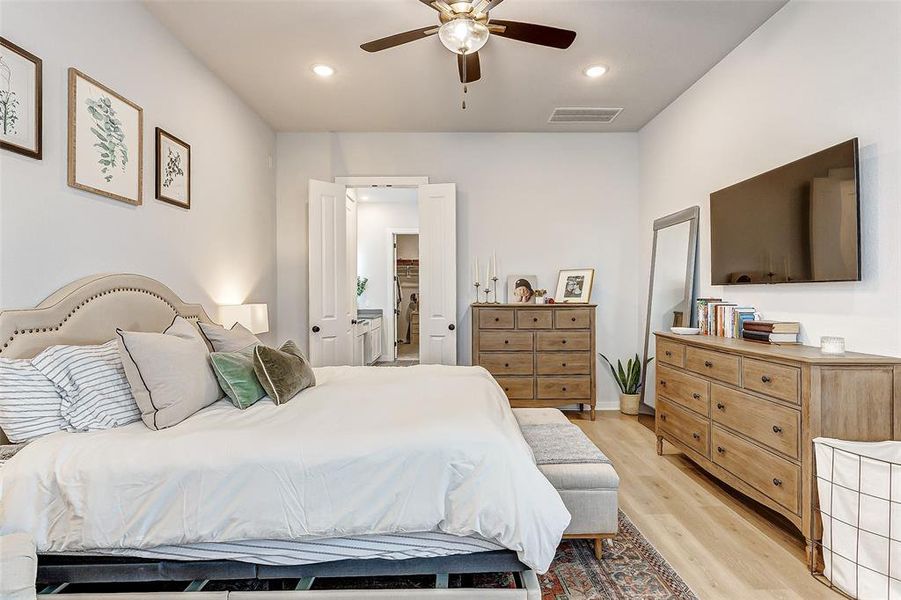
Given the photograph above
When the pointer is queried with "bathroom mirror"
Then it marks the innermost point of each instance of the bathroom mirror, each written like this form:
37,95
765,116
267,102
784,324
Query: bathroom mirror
671,287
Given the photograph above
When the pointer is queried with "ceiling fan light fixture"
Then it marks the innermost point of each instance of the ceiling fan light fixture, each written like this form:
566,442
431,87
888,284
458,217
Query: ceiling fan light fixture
463,35
595,71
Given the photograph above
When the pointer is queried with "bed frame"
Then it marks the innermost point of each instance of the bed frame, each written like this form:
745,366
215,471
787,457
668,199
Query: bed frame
88,311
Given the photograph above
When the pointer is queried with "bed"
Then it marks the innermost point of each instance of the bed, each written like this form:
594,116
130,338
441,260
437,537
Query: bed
372,471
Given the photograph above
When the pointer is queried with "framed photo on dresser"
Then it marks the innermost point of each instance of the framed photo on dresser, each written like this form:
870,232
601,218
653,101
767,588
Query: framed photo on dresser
106,134
574,286
20,100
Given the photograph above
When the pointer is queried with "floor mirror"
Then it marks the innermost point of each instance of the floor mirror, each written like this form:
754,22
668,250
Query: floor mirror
671,287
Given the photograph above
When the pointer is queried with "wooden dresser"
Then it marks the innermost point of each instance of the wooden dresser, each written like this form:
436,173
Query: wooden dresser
540,354
747,412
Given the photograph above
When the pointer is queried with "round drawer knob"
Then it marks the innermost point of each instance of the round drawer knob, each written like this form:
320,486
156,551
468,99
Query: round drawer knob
696,436
496,319
506,389
564,364
506,341
534,319
777,482
777,429
573,319
662,383
668,353
696,396
765,379
563,342
721,406
507,365
708,364
720,449
564,388
663,417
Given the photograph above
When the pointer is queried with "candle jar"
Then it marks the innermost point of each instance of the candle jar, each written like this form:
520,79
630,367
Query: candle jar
832,345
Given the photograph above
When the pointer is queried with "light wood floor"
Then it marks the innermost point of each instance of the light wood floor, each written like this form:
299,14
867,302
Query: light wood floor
721,543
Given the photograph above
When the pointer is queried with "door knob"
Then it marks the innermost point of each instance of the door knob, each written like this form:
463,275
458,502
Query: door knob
451,326
316,329
353,321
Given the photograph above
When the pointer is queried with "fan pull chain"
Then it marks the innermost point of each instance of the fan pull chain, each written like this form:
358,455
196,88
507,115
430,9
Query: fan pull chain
464,81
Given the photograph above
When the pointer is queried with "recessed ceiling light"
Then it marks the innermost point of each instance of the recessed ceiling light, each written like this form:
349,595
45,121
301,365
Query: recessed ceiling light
323,70
595,71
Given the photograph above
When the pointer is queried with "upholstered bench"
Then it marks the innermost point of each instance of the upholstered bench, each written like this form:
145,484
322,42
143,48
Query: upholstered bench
589,490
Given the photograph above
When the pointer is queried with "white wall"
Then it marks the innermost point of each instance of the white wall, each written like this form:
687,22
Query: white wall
221,251
544,201
815,74
374,255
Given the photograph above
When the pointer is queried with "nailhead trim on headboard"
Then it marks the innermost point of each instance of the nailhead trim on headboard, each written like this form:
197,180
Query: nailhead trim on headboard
89,299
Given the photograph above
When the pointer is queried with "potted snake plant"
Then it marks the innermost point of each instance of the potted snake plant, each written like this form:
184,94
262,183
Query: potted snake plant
628,379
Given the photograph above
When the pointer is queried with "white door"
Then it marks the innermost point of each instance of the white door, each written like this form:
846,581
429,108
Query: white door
350,206
330,327
438,274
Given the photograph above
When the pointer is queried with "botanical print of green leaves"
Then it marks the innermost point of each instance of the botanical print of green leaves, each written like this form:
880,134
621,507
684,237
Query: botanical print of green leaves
173,168
9,103
111,139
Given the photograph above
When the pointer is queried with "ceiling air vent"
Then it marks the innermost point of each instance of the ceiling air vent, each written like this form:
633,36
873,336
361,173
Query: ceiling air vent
584,115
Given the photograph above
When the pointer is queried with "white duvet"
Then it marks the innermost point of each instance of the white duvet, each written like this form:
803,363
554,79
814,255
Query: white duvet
366,451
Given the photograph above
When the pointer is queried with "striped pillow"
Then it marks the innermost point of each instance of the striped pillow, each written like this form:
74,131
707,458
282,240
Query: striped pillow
95,392
29,402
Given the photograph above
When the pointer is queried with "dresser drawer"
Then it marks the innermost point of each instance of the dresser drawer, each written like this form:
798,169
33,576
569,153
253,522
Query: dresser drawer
573,340
534,319
778,381
775,426
517,388
717,365
689,391
576,318
564,363
507,363
670,352
496,318
683,425
511,341
766,472
577,388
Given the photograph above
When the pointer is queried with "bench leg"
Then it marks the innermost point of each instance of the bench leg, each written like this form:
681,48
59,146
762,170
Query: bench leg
599,548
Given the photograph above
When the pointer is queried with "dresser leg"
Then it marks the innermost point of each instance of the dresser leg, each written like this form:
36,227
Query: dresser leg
592,413
813,557
659,446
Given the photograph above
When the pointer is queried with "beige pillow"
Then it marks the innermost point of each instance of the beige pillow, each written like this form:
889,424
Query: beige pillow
228,340
169,373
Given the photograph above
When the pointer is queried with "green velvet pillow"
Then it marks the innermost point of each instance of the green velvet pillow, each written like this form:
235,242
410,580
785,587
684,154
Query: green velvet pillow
283,372
234,370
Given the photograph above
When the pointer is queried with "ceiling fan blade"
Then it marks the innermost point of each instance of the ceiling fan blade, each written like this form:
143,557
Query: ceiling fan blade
535,34
439,5
473,67
400,38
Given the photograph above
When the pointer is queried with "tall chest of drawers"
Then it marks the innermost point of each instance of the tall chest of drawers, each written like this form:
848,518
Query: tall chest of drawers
747,412
540,354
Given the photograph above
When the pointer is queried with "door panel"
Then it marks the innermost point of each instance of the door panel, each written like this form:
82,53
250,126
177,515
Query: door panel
438,274
330,333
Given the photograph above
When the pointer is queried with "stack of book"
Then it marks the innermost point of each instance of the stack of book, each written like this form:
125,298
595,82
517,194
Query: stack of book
774,332
725,319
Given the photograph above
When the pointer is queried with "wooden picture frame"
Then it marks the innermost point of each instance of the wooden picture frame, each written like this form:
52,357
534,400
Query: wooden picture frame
104,130
574,286
21,78
173,169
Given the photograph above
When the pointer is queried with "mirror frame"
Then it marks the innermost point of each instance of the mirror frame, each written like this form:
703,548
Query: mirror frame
692,215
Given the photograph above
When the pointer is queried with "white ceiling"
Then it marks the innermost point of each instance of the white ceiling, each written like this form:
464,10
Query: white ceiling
263,49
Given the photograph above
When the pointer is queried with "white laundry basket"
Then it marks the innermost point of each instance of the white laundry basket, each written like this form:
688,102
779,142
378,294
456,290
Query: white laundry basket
859,489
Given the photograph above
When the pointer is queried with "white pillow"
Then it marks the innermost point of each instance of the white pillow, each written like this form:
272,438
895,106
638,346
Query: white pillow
169,373
29,402
95,392
228,340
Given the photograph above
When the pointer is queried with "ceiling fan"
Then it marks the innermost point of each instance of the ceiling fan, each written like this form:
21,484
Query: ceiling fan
465,27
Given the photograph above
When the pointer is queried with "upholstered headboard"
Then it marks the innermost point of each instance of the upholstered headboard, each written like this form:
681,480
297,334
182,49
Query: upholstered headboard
89,310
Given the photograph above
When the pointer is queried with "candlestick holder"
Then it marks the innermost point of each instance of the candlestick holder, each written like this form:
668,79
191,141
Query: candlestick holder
486,291
477,285
494,290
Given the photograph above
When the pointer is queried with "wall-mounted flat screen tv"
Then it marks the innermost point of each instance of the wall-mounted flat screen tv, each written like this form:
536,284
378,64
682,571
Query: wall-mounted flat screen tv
798,223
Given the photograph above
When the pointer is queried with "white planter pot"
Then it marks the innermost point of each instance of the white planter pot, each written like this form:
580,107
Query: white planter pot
628,403
540,299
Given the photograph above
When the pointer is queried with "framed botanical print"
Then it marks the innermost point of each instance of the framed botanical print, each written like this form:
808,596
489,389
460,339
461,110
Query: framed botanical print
106,134
574,286
20,100
173,169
